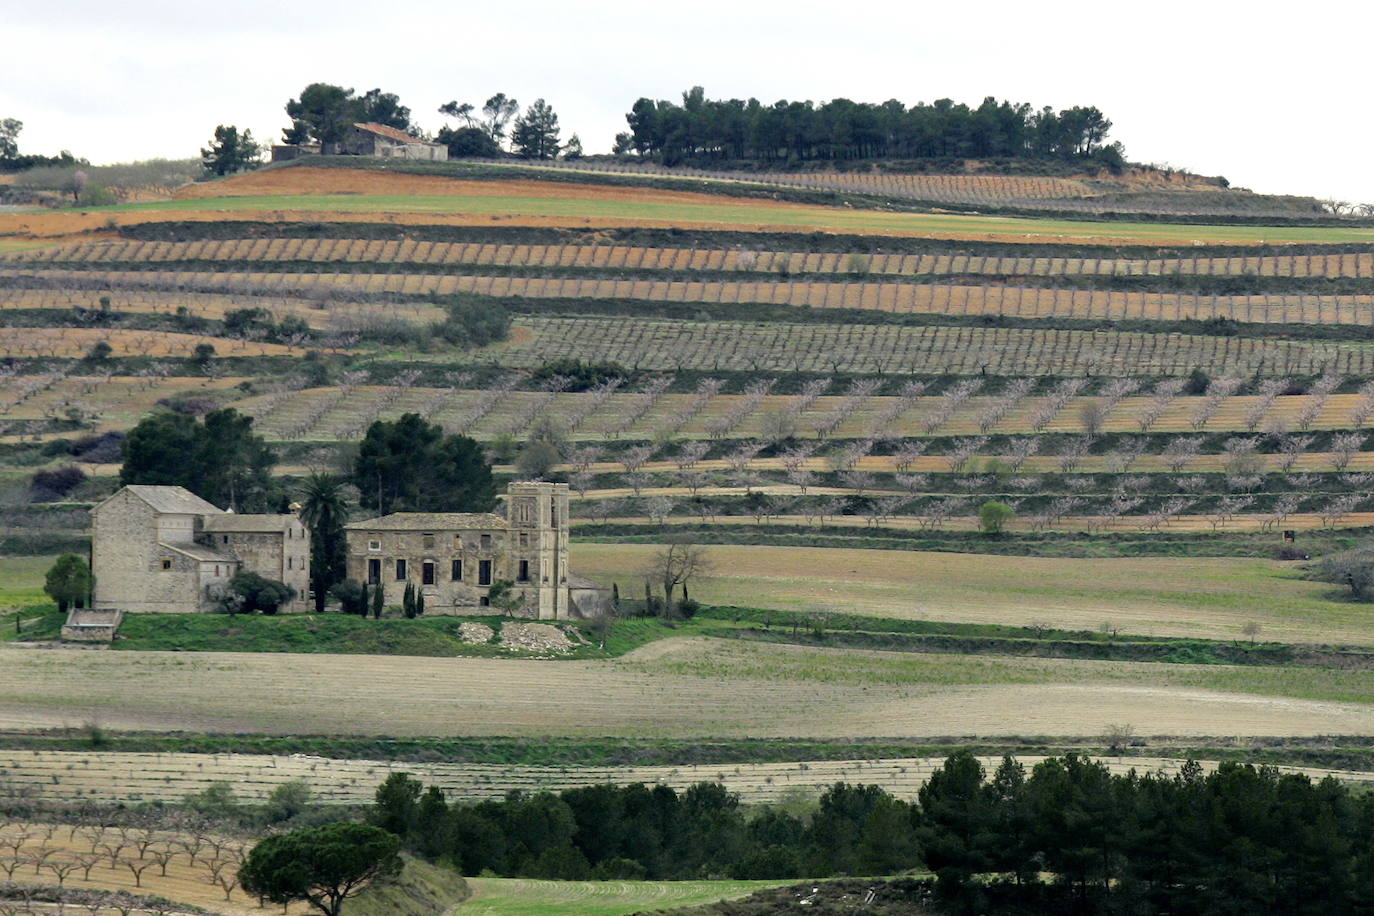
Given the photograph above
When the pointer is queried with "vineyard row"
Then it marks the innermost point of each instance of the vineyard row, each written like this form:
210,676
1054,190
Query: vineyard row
976,301
326,413
1343,265
777,347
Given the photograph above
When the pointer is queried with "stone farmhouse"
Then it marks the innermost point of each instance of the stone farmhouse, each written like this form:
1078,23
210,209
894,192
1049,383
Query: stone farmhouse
368,139
455,558
161,548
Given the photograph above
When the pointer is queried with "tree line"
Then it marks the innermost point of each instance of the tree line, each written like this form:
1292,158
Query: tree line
734,129
1065,837
11,160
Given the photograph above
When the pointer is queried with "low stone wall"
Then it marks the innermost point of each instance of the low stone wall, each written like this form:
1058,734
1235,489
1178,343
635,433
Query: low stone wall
91,625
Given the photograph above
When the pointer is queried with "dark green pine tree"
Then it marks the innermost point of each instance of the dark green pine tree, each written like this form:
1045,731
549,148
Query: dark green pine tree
536,132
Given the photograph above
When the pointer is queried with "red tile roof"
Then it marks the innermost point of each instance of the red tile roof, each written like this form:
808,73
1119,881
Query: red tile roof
390,133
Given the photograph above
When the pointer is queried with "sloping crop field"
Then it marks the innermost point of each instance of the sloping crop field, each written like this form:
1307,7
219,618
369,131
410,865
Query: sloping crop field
668,258
775,347
302,193
1148,596
34,343
674,689
955,300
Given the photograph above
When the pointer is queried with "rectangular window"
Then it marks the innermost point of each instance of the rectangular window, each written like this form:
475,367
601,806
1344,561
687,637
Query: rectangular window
427,540
484,572
457,571
400,570
374,545
553,513
166,562
486,542
484,601
374,572
427,573
524,571
224,539
289,561
524,539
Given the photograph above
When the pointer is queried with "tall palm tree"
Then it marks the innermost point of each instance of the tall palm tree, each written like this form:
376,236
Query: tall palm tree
324,510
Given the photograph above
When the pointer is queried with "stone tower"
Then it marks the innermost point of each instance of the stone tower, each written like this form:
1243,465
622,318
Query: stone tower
538,517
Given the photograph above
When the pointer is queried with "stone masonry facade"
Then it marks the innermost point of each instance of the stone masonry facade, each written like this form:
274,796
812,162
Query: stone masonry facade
163,549
453,559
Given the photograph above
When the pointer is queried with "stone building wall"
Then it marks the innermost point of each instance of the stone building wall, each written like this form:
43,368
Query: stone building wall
133,572
282,555
447,595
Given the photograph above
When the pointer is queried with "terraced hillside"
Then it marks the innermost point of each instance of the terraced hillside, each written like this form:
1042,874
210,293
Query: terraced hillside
865,387
1137,190
1152,401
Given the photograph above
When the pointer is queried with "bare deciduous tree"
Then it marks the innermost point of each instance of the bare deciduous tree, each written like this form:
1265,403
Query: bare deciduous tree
676,563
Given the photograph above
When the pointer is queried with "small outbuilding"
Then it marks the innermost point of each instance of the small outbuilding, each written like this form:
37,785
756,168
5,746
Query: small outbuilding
370,139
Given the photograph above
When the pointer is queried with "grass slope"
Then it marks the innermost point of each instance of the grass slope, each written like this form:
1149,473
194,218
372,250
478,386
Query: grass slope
1146,596
521,897
337,634
731,214
21,581
421,890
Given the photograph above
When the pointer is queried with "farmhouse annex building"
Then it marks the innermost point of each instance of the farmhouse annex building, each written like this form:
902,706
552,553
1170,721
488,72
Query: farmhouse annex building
165,549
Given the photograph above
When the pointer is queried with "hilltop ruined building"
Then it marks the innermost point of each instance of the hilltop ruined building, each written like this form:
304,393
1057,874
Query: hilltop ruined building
367,139
164,549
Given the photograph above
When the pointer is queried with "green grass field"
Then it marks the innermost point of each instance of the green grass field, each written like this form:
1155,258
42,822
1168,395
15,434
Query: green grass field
732,212
1146,596
21,581
520,897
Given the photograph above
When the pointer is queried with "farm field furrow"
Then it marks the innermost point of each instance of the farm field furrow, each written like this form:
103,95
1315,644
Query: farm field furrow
282,414
1079,193
707,260
302,193
663,345
134,778
334,313
74,343
898,298
683,688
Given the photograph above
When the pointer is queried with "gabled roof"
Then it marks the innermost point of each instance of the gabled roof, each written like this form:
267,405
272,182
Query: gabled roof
431,521
230,522
197,552
171,500
392,133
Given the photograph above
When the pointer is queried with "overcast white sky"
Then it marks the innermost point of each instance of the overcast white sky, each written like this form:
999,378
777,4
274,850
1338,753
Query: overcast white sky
1273,96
